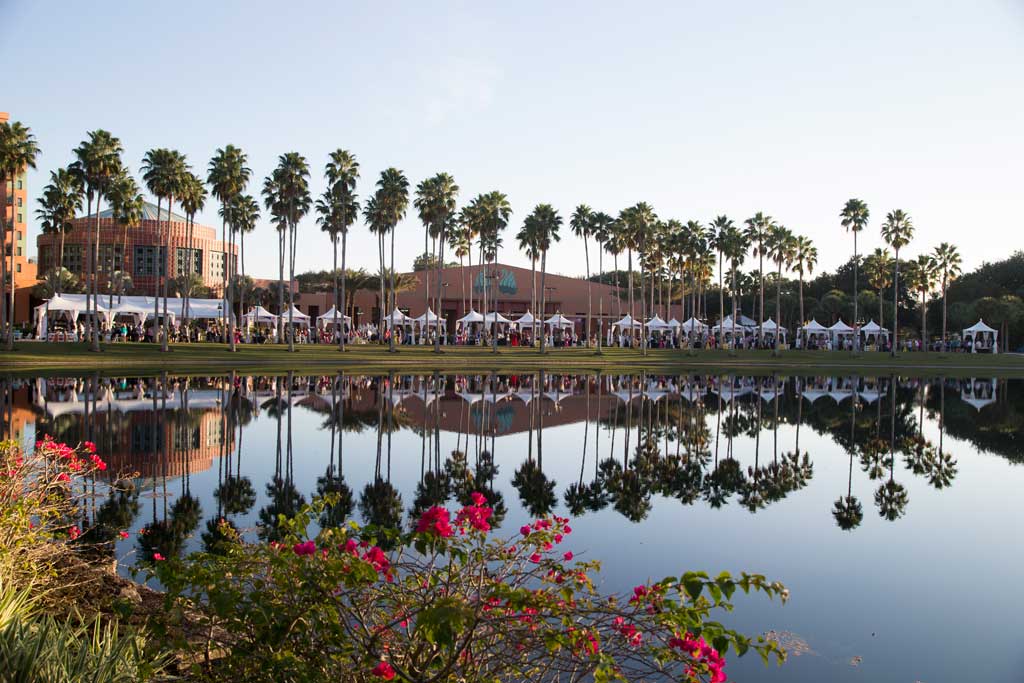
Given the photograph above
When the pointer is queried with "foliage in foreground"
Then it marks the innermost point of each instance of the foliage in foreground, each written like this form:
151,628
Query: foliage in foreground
446,602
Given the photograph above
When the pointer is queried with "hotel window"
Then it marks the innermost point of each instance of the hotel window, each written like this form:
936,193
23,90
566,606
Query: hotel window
18,236
73,257
20,186
181,261
19,252
146,261
19,201
21,219
18,265
111,257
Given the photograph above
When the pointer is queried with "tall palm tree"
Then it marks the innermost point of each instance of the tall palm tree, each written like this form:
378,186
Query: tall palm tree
273,200
640,224
878,267
528,239
18,152
757,230
855,218
602,226
736,244
614,245
342,211
164,171
582,224
228,175
97,164
947,262
805,257
292,178
722,228
244,217
435,201
544,223
921,279
193,200
386,208
695,245
493,211
780,247
897,231
461,245
61,200
127,204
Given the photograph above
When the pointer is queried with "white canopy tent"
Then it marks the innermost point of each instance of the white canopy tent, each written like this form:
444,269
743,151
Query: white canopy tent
838,331
772,327
873,332
259,315
815,329
527,320
559,320
397,319
470,318
430,319
656,323
136,312
978,393
982,337
692,325
674,324
494,318
328,317
627,322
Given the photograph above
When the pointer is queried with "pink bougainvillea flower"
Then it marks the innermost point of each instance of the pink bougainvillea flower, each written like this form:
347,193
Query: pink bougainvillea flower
525,530
90,446
478,498
74,532
567,529
476,517
568,556
158,557
383,670
98,463
307,548
436,521
535,558
123,534
63,477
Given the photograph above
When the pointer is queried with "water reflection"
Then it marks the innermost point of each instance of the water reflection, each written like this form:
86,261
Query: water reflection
699,440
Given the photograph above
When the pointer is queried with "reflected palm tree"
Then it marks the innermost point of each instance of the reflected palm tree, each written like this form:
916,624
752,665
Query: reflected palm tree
285,501
891,498
847,510
536,491
235,495
335,513
219,536
380,505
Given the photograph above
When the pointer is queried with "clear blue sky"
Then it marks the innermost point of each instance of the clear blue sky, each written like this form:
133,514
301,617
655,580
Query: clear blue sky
698,108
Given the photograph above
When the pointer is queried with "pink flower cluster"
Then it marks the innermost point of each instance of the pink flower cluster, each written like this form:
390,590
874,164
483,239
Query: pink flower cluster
307,548
702,653
372,554
437,520
629,631
383,670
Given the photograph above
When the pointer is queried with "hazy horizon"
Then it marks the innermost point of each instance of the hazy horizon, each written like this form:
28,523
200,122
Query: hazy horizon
789,108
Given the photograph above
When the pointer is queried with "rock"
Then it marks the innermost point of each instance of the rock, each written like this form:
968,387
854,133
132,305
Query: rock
131,594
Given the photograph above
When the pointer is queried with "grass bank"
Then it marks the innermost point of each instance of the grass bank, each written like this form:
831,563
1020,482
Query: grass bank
43,358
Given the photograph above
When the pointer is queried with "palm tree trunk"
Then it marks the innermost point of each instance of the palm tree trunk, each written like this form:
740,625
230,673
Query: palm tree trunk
881,309
856,326
241,291
944,313
344,303
801,300
391,344
226,310
534,300
156,273
334,246
643,313
280,285
600,304
95,283
437,289
383,298
721,293
426,285
291,290
924,320
60,260
590,288
543,296
618,289
7,334
232,285
895,310
760,273
166,263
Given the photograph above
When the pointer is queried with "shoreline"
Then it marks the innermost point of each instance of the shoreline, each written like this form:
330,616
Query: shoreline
34,358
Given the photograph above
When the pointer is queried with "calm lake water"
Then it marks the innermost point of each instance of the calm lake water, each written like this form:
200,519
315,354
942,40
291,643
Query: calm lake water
888,506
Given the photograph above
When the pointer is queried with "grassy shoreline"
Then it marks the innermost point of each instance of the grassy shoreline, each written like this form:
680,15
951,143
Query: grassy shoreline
41,358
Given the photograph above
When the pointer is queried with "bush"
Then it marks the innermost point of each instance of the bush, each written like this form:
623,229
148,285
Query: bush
448,602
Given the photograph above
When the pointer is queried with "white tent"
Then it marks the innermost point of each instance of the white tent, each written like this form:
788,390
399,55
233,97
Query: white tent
982,337
328,317
470,318
656,323
559,320
627,322
494,317
430,319
840,328
137,313
397,318
742,325
692,325
874,331
979,392
771,327
814,327
526,320
258,314
675,324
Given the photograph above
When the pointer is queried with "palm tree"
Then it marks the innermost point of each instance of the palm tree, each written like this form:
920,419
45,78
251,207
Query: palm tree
582,224
543,223
757,230
529,243
435,201
227,175
722,228
601,227
55,281
127,204
855,218
274,202
291,177
193,200
18,152
164,171
736,246
383,212
97,164
947,262
337,210
921,279
878,267
897,231
245,214
780,247
60,201
640,224
805,257
460,243
492,211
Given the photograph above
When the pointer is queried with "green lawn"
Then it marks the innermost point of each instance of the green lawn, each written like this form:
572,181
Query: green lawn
34,357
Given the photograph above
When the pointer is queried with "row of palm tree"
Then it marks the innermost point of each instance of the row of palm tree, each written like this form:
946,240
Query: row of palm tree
674,258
